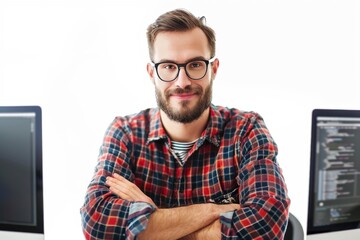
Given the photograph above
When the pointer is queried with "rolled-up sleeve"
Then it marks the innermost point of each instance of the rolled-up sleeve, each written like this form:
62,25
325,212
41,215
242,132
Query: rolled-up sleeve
105,215
262,189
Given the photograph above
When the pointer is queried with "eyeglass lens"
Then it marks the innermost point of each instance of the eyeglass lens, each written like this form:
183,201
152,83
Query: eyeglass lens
168,71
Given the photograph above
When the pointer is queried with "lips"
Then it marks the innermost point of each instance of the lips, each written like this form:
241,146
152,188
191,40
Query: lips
183,93
185,96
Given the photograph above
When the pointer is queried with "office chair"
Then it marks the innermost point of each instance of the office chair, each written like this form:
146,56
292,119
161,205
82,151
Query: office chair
294,230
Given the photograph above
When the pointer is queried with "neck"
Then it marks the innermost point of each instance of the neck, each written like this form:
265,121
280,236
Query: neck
185,132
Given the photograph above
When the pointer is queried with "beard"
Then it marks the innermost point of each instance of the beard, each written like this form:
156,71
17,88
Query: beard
186,114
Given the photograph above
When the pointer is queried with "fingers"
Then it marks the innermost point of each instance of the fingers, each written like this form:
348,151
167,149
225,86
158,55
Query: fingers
126,189
121,194
122,187
116,187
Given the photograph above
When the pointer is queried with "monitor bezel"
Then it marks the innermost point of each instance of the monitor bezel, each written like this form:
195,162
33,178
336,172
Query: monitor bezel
39,226
311,229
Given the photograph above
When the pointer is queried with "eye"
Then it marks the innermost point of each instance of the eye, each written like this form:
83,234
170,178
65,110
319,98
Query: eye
196,64
168,66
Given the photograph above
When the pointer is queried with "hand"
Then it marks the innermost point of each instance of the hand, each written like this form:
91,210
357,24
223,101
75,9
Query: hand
213,230
127,190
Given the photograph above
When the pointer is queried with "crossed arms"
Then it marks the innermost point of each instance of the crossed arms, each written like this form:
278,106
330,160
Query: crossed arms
200,221
110,211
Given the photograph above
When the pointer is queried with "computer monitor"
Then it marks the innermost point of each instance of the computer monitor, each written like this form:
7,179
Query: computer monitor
334,191
21,186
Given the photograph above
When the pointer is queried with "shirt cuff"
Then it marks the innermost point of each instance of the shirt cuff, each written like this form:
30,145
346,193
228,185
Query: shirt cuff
138,218
226,218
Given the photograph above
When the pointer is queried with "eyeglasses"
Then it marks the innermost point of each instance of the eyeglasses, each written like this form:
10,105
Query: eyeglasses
194,69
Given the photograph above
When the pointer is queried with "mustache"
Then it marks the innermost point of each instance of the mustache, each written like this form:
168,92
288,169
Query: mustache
186,90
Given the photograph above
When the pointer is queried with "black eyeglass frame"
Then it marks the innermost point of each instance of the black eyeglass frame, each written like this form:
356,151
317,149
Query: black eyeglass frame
207,62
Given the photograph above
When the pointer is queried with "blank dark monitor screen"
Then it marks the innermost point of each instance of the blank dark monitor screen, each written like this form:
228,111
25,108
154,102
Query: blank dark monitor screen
21,196
334,197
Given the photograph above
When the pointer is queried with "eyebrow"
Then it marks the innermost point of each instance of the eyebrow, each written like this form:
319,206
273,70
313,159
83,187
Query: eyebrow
189,60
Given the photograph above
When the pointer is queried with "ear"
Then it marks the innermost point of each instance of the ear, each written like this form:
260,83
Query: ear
214,67
150,70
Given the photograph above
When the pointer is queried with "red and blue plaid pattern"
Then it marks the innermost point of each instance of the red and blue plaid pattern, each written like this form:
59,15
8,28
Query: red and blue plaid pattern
234,161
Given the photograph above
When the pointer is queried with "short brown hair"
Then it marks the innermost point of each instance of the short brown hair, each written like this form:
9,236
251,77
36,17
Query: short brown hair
179,20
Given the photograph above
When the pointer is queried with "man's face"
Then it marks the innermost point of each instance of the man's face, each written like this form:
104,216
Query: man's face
183,100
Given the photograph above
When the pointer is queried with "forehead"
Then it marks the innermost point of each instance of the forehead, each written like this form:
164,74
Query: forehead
181,46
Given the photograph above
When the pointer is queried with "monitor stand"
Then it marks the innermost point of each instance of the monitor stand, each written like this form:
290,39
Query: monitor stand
6,235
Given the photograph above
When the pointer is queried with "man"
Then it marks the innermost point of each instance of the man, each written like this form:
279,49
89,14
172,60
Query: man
187,169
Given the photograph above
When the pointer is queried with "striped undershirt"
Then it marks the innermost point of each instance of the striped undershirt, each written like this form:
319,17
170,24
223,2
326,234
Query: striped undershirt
182,148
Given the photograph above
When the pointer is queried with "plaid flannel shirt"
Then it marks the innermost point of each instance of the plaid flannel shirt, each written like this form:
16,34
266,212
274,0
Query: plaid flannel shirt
234,161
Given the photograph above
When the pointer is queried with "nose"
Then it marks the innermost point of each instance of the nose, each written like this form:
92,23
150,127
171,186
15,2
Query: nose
182,80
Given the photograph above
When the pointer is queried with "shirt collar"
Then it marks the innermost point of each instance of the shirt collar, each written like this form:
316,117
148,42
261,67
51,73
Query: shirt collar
214,127
157,130
212,132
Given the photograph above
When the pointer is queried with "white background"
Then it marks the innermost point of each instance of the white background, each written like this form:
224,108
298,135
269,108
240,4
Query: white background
84,63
